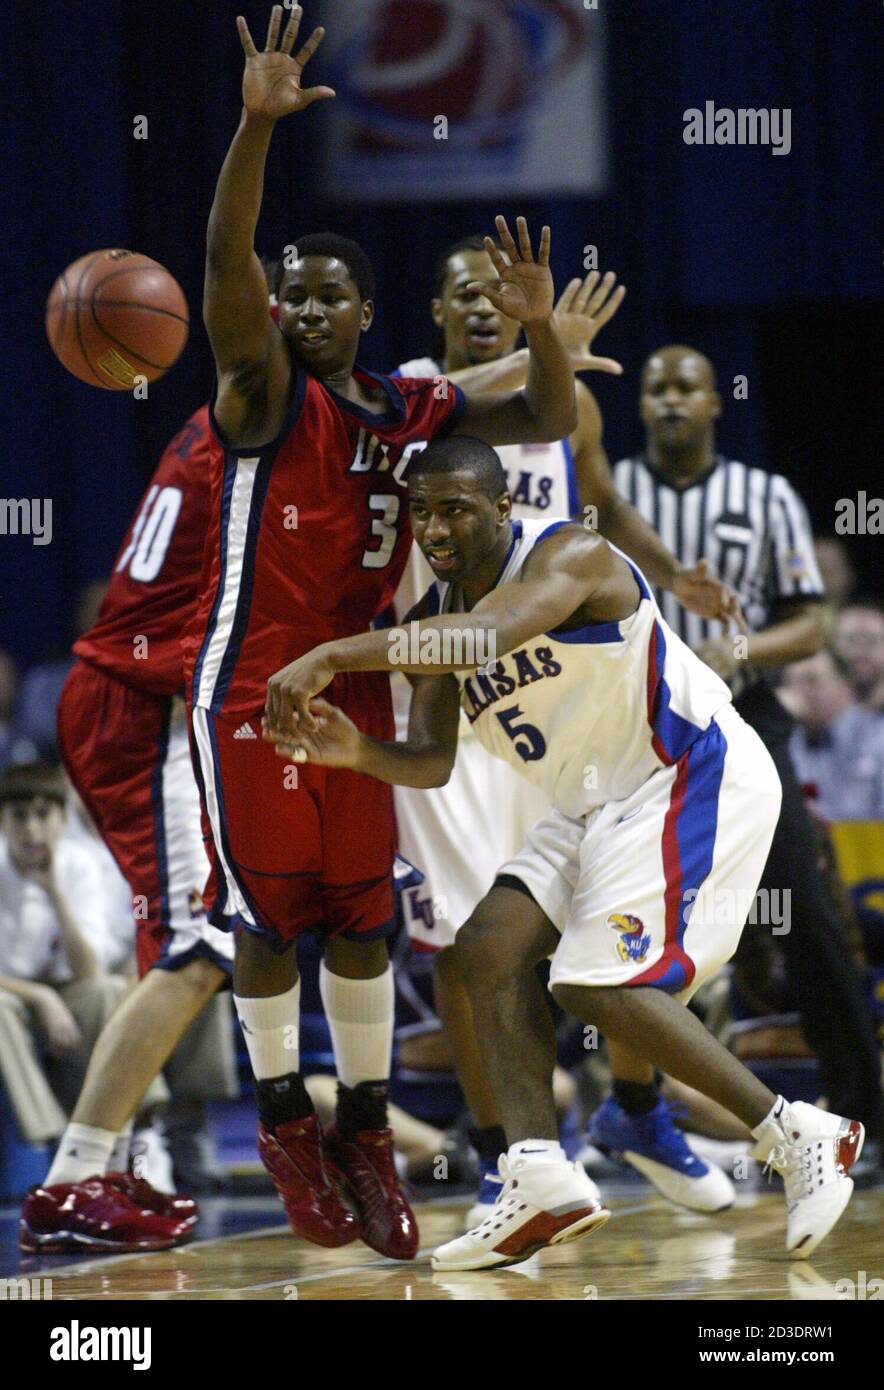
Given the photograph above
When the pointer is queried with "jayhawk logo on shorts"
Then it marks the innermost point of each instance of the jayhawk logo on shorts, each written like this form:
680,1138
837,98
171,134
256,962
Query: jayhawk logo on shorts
634,940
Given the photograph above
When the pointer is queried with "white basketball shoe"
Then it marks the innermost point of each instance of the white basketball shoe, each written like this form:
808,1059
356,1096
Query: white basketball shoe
545,1200
814,1151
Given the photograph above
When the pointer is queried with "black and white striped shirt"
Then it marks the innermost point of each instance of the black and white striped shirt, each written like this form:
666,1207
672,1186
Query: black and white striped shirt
749,524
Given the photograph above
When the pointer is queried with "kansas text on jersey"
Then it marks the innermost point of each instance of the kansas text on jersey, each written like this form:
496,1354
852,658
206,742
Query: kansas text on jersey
588,715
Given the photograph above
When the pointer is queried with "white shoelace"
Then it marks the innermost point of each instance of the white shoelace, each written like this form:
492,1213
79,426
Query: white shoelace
796,1166
504,1203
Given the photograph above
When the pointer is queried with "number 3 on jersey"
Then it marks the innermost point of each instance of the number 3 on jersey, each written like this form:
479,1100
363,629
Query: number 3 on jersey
384,527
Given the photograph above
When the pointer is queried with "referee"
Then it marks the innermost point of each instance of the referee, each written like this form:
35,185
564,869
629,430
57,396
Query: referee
752,528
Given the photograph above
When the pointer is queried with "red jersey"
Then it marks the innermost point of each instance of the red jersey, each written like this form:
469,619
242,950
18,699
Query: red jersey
154,585
309,534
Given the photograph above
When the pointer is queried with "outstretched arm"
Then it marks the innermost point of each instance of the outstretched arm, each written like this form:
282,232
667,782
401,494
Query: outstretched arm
570,568
584,307
251,356
622,524
424,759
545,409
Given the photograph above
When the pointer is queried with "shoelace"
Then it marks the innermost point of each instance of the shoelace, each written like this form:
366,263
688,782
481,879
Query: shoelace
505,1203
796,1166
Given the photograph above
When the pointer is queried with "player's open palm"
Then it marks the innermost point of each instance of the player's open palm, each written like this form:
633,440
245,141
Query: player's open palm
334,742
585,307
271,85
524,288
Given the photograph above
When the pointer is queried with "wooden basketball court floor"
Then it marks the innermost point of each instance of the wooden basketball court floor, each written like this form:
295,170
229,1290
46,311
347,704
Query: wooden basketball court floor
648,1250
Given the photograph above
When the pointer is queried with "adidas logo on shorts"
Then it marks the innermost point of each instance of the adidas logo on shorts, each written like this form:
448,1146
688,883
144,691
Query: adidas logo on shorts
245,731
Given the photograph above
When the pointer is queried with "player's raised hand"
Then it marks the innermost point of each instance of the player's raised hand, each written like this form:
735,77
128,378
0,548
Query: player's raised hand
584,307
271,84
701,592
334,743
524,288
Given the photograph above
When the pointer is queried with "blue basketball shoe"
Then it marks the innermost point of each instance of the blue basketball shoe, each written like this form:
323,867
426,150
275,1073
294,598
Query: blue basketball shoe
490,1188
655,1145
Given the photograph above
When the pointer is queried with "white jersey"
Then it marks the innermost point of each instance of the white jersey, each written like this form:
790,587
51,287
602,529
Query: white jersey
589,715
542,481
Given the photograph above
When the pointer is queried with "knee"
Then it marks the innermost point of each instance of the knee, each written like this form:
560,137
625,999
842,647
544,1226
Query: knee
589,1004
480,954
200,978
357,960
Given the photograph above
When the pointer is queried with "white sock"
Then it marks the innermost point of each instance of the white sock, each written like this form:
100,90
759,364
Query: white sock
84,1151
537,1151
271,1030
771,1117
119,1158
360,1019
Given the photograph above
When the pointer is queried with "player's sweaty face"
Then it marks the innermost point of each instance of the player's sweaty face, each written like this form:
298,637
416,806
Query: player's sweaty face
474,330
678,398
454,523
32,829
322,315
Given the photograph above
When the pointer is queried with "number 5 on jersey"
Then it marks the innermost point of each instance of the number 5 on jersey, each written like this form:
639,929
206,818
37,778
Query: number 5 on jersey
527,739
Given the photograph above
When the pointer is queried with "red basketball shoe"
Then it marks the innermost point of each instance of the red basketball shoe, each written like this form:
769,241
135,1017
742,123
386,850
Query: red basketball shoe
366,1161
144,1194
307,1182
93,1215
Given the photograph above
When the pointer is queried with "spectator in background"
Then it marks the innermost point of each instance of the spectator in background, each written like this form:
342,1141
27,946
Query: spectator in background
55,941
37,704
838,745
837,569
859,645
13,747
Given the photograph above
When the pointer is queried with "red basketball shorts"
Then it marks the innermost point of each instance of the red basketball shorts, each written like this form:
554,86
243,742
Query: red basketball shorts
297,847
127,754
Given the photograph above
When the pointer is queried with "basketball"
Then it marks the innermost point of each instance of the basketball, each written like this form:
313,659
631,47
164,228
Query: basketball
115,315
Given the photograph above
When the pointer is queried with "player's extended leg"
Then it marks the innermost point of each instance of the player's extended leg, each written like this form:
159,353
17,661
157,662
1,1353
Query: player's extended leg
487,1135
69,1209
636,1124
813,1149
267,991
544,1199
356,983
137,1043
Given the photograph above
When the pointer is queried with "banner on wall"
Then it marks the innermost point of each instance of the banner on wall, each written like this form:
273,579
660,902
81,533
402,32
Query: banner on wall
463,98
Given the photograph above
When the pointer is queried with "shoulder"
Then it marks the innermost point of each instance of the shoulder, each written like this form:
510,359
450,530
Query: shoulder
566,546
781,487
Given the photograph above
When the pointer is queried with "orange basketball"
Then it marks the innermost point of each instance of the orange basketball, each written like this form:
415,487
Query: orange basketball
113,316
